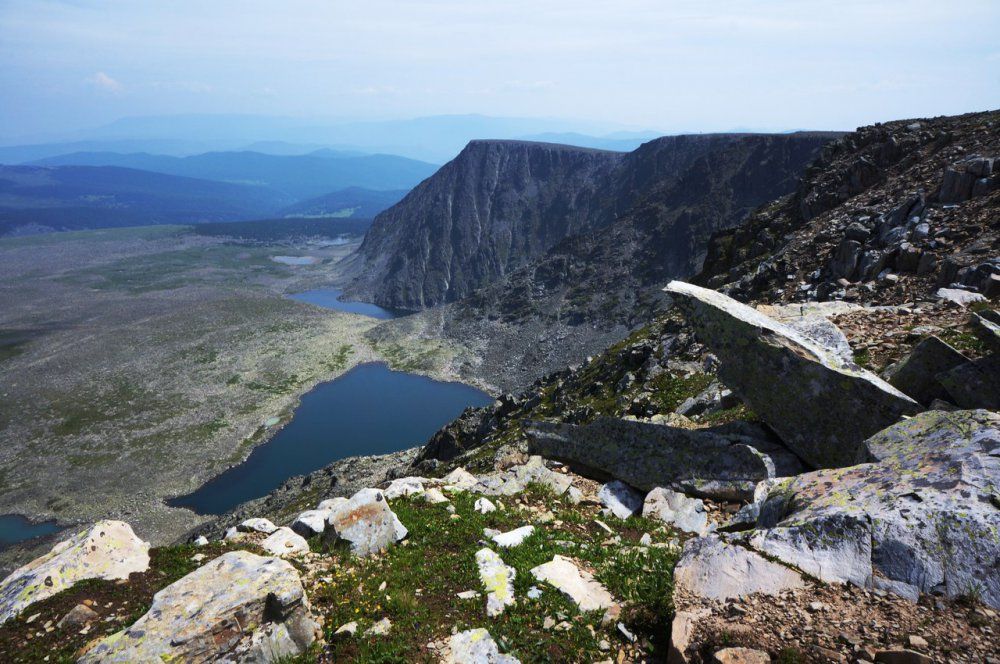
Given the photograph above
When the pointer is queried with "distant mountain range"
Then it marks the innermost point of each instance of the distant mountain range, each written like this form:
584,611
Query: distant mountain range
37,199
436,139
293,177
353,202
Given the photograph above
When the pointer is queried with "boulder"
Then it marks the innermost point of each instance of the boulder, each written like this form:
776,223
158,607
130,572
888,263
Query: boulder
285,542
717,569
741,656
676,509
620,499
962,298
435,497
238,607
512,538
577,584
257,526
460,478
987,327
682,630
821,406
498,581
330,504
365,522
404,486
923,518
647,456
516,479
476,646
81,614
311,522
974,384
916,374
106,550
484,506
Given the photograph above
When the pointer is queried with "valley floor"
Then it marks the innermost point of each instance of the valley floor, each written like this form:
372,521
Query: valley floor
136,364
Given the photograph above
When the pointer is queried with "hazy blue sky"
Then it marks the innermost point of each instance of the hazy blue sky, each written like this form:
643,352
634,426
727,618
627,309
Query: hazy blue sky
661,64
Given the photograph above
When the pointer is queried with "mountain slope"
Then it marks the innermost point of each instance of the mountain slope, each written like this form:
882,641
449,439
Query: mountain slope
78,197
495,207
355,202
296,176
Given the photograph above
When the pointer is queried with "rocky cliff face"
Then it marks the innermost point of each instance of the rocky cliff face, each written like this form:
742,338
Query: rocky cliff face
494,208
589,290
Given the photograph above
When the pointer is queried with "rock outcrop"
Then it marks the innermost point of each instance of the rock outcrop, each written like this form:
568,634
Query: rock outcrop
822,407
646,455
238,607
365,523
106,550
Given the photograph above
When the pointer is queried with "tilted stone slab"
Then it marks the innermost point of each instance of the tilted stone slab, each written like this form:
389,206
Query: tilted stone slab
238,607
916,374
820,405
106,550
647,456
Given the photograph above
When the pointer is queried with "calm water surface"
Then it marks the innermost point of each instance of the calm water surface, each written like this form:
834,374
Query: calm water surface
369,410
330,298
15,528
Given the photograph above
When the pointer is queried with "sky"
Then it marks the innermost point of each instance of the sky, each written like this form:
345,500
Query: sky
665,65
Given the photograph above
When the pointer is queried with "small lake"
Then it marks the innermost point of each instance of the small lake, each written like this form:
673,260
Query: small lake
369,410
330,299
15,528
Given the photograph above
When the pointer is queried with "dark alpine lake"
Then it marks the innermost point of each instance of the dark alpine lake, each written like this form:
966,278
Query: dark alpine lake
369,410
15,528
330,298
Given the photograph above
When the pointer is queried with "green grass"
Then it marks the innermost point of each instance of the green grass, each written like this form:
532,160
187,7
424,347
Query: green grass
437,560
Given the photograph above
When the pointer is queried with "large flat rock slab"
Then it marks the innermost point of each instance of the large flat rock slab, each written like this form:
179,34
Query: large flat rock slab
821,405
715,568
238,607
647,456
106,550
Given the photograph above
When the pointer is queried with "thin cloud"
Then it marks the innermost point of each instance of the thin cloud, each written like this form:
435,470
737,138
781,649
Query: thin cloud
105,83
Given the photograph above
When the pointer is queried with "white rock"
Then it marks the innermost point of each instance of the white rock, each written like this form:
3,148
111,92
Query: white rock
435,497
574,495
476,646
238,607
514,537
579,585
404,486
498,581
460,478
311,522
201,540
962,298
381,628
365,522
713,568
485,506
257,526
688,514
468,594
620,498
534,592
347,629
231,533
107,550
285,542
331,504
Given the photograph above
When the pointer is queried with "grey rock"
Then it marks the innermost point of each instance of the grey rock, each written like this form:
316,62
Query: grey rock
676,509
822,407
311,522
620,499
285,542
257,525
987,330
516,479
921,518
916,374
974,384
647,456
962,298
80,614
238,607
714,568
845,259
